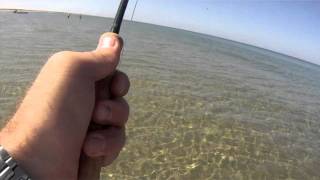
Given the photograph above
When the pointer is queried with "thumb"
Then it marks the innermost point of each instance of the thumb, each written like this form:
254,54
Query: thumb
97,64
103,61
109,40
108,54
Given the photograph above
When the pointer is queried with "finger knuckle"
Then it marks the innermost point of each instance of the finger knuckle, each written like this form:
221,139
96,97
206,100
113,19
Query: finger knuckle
63,58
109,56
106,57
61,55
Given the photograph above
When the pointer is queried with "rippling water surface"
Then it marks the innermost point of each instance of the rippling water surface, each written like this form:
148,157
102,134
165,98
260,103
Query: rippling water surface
202,107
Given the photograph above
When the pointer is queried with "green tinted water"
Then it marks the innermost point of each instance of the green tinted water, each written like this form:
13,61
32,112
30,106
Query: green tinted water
201,107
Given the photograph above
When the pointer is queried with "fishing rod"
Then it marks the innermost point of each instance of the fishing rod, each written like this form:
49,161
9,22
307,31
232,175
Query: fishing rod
91,168
119,17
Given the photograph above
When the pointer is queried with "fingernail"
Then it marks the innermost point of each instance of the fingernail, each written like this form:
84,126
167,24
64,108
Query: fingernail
108,42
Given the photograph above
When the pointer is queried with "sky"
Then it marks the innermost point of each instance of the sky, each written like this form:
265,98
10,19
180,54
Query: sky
289,27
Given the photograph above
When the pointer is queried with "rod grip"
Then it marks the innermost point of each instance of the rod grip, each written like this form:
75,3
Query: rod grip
90,168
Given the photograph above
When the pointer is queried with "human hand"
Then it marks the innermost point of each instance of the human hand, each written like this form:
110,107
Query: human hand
49,131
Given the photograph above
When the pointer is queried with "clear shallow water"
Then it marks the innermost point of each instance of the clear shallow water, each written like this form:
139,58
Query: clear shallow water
202,107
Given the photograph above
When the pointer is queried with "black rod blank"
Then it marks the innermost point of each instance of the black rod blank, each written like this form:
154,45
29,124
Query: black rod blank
119,17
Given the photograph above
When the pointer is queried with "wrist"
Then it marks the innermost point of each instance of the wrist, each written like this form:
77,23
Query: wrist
9,168
23,144
16,143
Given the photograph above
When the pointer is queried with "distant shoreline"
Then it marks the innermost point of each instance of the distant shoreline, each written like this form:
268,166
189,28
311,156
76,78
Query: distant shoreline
24,10
209,35
43,11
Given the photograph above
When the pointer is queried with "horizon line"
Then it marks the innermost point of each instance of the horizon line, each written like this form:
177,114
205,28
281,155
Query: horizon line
201,33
